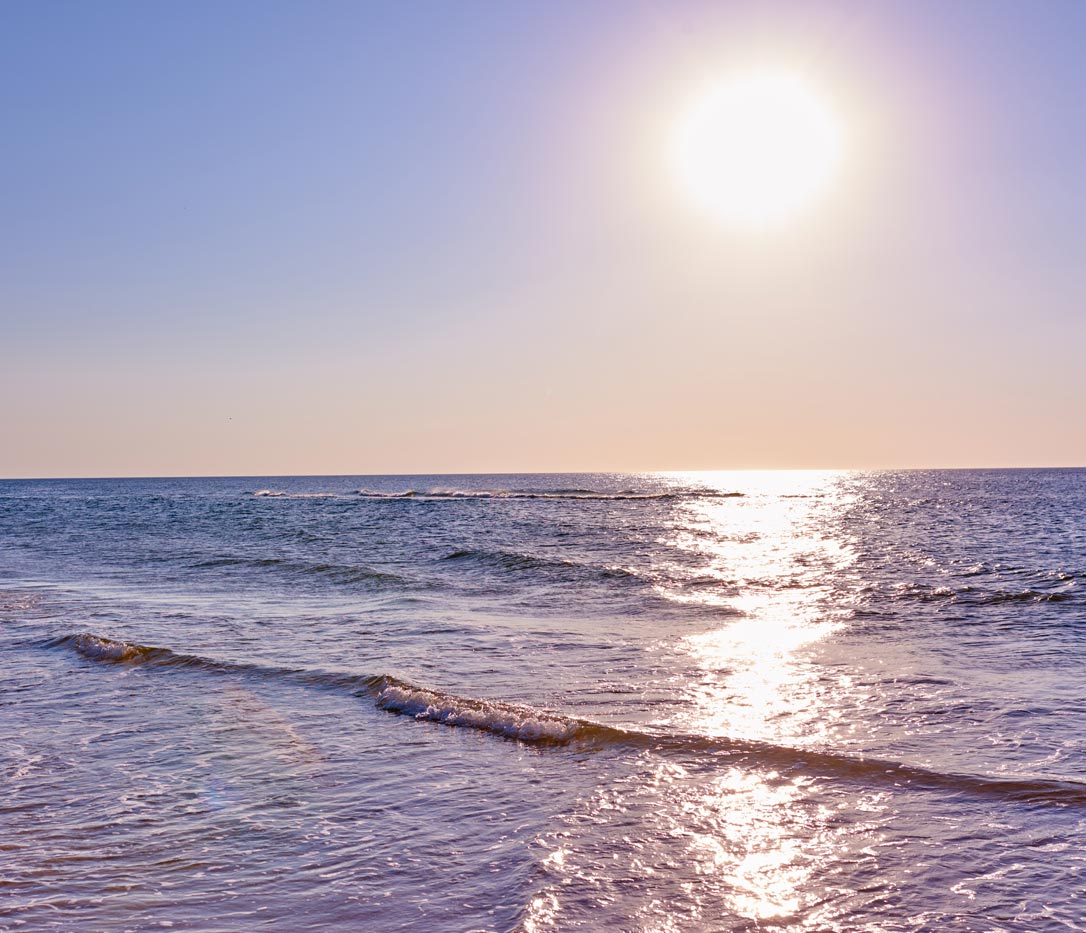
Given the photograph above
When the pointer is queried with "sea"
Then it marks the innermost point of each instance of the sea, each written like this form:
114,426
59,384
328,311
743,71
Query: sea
739,701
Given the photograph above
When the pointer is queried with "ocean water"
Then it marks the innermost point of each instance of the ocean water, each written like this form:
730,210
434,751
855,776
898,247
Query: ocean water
683,702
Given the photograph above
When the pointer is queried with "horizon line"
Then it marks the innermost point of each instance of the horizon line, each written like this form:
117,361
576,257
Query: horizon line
880,469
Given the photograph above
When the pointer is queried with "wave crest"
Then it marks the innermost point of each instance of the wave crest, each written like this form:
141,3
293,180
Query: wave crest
525,723
1064,591
96,648
515,560
337,573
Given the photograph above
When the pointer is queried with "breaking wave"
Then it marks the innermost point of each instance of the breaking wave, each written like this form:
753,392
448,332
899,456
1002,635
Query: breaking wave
547,728
524,723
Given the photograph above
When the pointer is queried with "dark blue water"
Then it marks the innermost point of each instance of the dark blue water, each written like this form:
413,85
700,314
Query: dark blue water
704,702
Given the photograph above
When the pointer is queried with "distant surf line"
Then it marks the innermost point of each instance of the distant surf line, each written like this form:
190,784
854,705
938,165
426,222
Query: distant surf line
587,495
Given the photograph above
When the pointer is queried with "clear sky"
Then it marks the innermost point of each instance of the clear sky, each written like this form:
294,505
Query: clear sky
322,237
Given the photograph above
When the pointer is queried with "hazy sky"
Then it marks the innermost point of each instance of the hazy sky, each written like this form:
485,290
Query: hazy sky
256,237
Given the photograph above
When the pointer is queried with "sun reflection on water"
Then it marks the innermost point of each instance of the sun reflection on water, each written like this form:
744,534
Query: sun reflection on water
768,559
775,555
730,839
715,845
776,558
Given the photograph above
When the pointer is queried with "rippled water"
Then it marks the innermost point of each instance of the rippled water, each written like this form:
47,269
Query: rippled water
699,702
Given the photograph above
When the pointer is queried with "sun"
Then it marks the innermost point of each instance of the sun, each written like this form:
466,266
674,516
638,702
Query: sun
756,148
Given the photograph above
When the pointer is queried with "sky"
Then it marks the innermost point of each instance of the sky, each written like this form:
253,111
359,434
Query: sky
262,238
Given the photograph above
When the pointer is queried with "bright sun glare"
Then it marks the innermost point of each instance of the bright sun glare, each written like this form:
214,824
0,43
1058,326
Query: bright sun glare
757,148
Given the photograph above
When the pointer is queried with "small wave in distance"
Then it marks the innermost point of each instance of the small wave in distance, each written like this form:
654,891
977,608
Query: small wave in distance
514,560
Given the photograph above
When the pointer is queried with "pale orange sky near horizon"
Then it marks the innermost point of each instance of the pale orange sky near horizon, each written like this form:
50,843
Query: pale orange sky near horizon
394,240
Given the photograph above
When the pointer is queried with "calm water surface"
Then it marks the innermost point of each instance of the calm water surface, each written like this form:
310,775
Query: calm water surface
697,702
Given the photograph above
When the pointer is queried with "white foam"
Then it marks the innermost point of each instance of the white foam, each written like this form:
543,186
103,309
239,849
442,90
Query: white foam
516,722
104,649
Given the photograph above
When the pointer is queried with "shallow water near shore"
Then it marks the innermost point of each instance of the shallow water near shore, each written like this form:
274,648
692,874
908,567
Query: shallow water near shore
636,702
